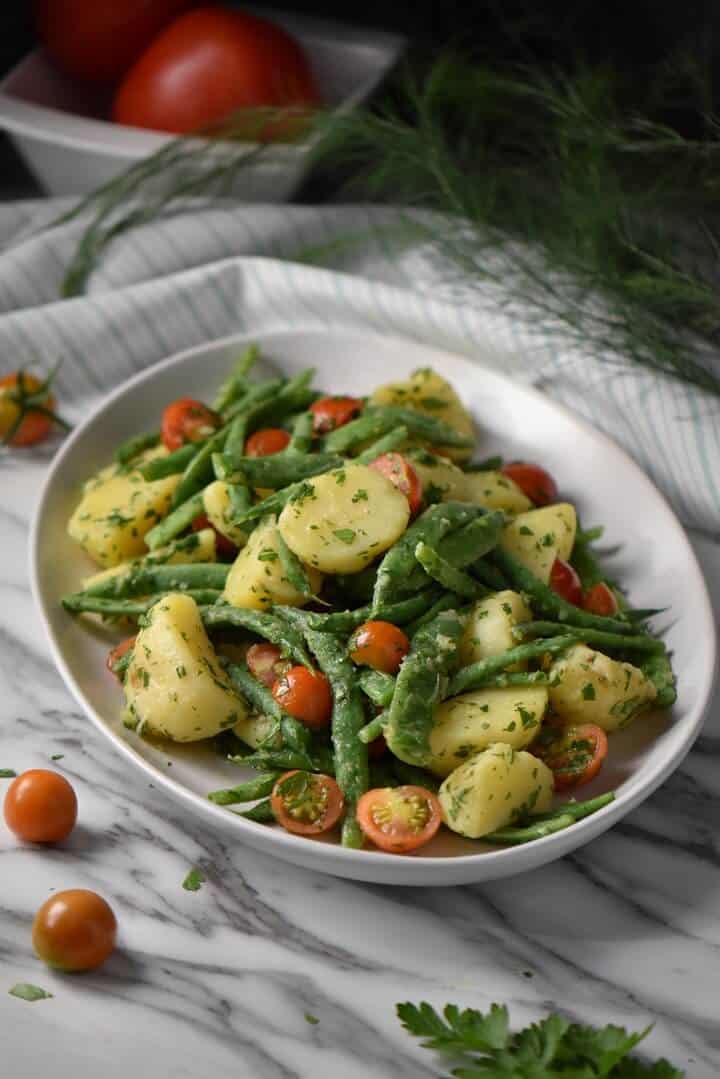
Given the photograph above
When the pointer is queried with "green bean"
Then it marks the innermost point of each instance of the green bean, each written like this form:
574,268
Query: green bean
296,737
378,686
659,670
170,465
261,813
490,464
236,383
199,470
351,760
273,504
476,674
281,760
238,491
350,435
445,574
547,824
549,603
420,425
272,627
386,444
641,614
445,602
419,686
175,522
278,470
399,570
346,621
466,545
134,446
488,575
409,775
577,810
173,577
160,557
256,395
293,568
583,560
258,787
373,729
301,439
128,608
237,435
358,586
636,643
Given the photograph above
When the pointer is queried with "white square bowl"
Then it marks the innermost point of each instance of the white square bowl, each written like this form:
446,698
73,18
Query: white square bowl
58,130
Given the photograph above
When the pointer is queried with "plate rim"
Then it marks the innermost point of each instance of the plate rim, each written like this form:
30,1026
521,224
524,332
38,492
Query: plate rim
334,859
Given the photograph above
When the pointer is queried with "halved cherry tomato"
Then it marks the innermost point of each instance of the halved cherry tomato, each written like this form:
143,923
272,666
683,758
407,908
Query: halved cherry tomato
306,803
534,481
306,695
40,807
402,474
399,819
187,420
224,546
118,652
600,599
18,394
266,663
331,412
574,754
74,930
565,581
377,748
267,441
379,645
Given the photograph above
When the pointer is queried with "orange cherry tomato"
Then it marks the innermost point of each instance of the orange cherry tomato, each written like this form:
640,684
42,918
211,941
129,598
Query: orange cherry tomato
600,599
224,546
306,803
402,474
187,420
534,481
267,441
306,695
40,807
379,645
331,412
565,581
399,819
266,663
34,426
117,653
575,755
74,930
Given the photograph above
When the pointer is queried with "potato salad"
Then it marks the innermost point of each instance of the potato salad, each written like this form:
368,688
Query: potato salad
396,637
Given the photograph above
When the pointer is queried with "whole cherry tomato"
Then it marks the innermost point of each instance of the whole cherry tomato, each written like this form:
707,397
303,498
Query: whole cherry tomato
600,599
74,930
187,420
306,803
40,807
533,481
305,695
565,581
21,424
209,64
399,819
402,474
98,40
266,441
380,645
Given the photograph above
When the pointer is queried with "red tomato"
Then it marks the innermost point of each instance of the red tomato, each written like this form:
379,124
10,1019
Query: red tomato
266,663
600,599
306,803
74,930
211,63
306,695
574,754
34,426
380,645
399,819
565,581
98,40
267,441
534,481
186,420
331,412
40,807
402,474
117,653
224,546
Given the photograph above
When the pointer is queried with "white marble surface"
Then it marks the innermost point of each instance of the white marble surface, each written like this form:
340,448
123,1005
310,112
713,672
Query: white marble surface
217,982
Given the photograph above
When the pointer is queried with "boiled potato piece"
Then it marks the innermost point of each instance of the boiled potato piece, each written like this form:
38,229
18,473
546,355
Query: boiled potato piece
174,685
494,789
490,625
255,730
465,725
200,547
441,480
540,536
117,508
495,492
425,391
345,520
218,509
257,578
589,687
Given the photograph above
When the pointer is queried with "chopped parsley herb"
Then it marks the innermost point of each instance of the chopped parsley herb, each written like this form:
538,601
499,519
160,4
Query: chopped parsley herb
433,403
345,535
57,756
588,692
267,555
25,991
312,1019
7,773
525,531
181,671
194,880
360,495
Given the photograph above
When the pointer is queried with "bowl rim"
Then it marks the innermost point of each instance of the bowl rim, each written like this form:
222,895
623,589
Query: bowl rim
342,861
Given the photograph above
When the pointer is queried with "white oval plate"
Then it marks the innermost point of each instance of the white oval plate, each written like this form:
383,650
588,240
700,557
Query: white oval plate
654,560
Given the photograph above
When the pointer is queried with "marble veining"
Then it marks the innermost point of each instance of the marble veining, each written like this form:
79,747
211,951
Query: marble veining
218,982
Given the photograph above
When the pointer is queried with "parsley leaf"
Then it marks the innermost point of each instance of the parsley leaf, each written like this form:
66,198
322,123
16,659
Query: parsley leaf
345,535
194,880
7,773
25,991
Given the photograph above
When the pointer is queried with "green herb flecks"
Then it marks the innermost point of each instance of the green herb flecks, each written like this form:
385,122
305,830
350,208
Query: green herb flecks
26,991
194,880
